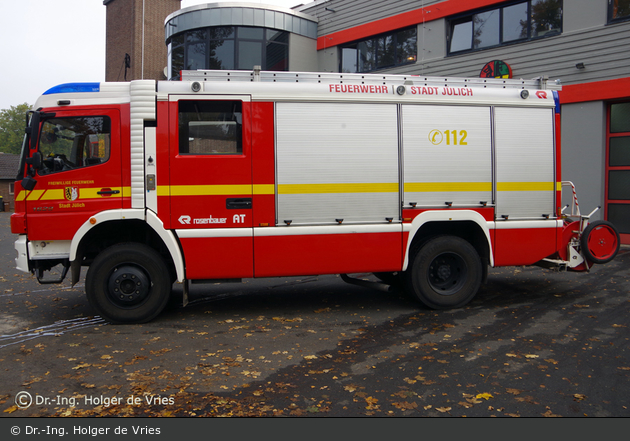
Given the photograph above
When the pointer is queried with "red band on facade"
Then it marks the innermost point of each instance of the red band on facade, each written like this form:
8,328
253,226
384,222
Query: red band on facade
399,21
595,91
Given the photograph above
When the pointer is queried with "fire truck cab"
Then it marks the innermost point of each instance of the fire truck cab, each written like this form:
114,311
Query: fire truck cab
234,174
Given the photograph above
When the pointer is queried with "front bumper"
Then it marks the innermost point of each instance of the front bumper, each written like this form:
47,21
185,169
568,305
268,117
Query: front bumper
21,261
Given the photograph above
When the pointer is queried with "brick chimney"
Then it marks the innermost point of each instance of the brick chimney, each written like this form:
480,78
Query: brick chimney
135,47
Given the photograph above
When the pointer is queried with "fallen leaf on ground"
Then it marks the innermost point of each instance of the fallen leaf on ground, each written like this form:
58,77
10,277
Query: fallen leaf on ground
81,366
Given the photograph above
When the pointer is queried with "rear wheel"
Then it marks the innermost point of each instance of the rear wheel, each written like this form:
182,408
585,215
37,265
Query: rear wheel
600,242
128,283
446,272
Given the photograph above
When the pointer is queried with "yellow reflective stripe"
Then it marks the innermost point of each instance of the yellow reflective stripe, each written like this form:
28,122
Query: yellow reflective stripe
56,194
337,188
558,186
204,190
264,189
428,187
50,195
35,195
525,186
215,190
92,193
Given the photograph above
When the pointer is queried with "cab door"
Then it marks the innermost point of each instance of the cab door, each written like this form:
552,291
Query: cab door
211,184
80,173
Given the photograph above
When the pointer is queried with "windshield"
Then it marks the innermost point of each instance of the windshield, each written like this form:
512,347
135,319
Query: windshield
70,143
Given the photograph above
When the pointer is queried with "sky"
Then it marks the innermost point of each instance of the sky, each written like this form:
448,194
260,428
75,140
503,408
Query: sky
50,42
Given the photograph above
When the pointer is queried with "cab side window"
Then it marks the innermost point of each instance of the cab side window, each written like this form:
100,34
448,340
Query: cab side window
210,128
71,143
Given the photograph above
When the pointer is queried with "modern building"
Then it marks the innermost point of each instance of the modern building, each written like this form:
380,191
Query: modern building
240,36
135,38
582,43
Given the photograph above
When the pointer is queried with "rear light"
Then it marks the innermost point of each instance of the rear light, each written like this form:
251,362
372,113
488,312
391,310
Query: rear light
18,223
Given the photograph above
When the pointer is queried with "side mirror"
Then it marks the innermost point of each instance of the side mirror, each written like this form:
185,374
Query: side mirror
28,183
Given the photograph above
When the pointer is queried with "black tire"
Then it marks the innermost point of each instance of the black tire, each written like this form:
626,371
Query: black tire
600,242
446,272
128,283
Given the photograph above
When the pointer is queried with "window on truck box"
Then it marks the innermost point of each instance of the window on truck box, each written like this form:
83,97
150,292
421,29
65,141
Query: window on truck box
210,128
71,143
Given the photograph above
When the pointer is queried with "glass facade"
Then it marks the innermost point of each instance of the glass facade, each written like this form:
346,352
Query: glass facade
228,48
234,37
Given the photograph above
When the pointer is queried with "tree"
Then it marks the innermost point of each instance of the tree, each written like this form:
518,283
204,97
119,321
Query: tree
12,123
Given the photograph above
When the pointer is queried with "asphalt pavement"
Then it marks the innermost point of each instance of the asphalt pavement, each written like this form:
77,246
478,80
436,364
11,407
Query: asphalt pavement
533,343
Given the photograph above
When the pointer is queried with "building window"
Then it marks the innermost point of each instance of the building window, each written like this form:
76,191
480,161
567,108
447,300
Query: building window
228,48
383,51
618,10
618,169
514,22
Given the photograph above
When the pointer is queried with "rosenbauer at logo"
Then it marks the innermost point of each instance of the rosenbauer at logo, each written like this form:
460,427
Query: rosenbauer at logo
187,220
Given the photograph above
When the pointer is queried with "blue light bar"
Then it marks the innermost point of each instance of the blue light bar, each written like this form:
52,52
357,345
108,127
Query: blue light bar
74,88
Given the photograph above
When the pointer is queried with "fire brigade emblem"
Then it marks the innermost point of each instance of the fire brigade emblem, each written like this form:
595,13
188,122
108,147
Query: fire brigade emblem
72,193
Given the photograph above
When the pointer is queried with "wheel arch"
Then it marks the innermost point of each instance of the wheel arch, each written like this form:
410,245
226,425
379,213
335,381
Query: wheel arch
117,226
466,224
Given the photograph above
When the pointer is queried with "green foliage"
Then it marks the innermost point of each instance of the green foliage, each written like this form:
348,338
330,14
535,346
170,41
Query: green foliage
12,123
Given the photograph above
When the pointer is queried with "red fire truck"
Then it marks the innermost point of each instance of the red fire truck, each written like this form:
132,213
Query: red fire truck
234,174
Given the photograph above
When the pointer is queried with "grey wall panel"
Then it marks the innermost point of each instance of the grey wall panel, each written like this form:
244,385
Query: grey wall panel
302,54
584,153
350,13
584,14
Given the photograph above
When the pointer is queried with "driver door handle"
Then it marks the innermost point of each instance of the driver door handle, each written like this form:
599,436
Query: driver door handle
238,203
107,191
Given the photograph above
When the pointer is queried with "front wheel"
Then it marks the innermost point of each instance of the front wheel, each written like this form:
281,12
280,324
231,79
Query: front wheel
128,283
446,272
